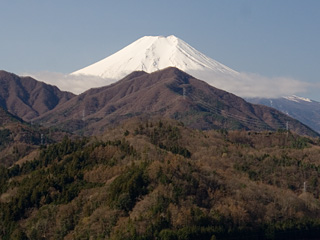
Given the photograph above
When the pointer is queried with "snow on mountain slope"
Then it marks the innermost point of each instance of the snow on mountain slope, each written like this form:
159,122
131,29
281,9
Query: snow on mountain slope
152,53
297,99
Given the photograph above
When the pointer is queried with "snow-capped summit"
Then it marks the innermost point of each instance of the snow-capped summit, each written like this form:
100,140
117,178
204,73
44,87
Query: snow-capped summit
153,53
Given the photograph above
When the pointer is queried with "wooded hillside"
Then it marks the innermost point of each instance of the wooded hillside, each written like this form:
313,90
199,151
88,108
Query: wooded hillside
162,180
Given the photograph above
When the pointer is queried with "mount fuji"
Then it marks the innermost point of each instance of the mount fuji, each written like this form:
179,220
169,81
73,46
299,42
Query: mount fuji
154,53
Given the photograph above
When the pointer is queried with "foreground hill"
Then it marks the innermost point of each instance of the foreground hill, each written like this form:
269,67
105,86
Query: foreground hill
161,180
169,93
28,98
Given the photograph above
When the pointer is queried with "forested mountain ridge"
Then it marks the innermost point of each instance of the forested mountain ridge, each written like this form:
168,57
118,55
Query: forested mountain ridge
18,138
169,93
28,98
160,179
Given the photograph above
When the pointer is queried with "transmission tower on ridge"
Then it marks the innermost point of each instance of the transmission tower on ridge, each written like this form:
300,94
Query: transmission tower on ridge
83,115
184,93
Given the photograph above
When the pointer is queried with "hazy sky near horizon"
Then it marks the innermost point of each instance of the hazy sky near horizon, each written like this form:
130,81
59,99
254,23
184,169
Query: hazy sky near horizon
274,38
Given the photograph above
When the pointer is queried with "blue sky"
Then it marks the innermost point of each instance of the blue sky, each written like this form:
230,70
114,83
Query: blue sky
271,38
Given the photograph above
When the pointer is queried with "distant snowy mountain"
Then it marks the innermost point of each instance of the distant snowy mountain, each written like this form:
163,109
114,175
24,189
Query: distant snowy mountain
303,109
153,53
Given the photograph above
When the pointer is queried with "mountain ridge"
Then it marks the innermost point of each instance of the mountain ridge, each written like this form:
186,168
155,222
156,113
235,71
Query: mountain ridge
169,93
28,98
303,109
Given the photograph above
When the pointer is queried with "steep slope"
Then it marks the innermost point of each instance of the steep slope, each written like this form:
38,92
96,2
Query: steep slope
305,110
168,93
27,98
153,53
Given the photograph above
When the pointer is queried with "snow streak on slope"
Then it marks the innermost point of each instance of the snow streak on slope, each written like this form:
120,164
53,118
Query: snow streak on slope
150,54
297,99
